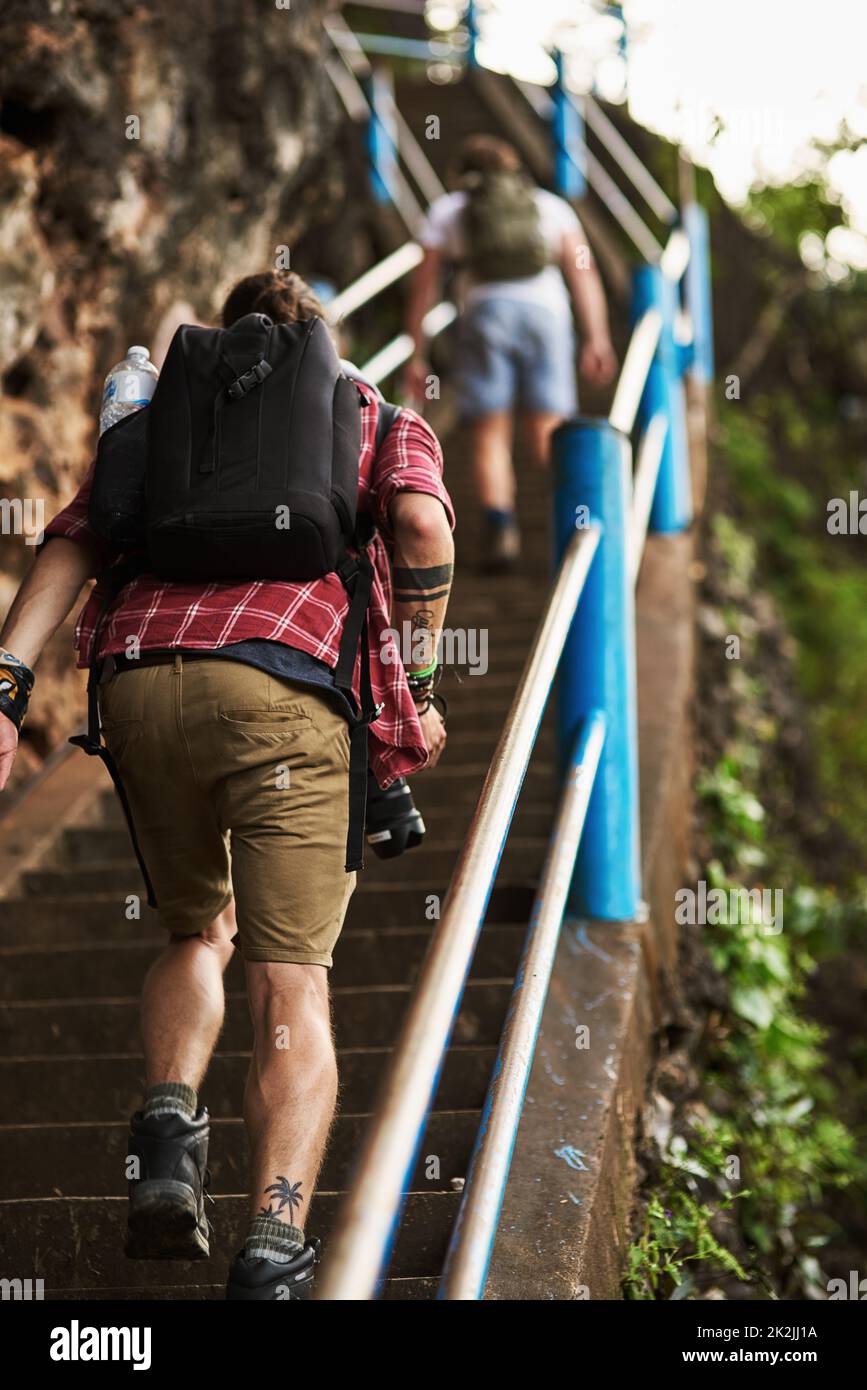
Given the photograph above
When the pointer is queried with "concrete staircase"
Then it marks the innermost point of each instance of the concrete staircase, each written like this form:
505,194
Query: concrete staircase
72,966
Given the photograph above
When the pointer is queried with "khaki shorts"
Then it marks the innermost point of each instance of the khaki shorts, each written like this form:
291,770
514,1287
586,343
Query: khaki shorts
238,782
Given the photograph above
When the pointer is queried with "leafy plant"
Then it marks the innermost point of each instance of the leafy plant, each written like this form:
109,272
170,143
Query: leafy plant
769,1108
674,1236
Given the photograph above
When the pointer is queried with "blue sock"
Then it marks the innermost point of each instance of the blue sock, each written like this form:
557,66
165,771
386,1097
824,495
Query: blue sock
496,518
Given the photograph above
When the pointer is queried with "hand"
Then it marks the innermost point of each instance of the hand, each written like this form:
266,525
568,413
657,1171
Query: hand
598,362
434,731
8,748
414,379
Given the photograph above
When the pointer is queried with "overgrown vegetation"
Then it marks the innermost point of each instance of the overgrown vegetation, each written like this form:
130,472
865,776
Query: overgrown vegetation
755,1135
740,1193
820,580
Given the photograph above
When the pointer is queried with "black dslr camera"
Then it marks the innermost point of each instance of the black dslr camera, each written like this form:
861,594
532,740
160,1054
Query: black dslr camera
393,823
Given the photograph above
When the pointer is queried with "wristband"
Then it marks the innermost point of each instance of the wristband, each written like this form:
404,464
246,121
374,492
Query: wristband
16,683
427,673
422,689
437,702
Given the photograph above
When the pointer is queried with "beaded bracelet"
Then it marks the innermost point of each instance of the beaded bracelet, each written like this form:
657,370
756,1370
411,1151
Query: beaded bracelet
416,679
437,702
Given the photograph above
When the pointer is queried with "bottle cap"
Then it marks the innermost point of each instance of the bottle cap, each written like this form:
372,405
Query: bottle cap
137,352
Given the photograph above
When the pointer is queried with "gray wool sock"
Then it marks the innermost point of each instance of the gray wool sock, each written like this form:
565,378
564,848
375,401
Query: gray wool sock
272,1239
170,1098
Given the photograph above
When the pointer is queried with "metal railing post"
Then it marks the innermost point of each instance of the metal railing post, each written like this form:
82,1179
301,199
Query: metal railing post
472,23
663,391
697,287
381,133
623,39
592,470
567,130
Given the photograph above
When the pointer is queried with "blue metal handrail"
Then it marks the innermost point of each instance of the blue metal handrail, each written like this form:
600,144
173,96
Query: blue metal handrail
602,514
471,1244
422,50
360,1246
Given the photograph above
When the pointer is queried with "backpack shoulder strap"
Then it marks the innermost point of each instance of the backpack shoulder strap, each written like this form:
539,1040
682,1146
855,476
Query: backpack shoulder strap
357,576
365,528
388,414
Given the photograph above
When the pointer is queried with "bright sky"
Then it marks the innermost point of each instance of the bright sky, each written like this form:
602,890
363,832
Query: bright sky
773,74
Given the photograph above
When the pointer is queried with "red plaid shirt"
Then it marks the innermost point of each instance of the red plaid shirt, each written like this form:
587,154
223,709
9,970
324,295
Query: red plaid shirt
307,616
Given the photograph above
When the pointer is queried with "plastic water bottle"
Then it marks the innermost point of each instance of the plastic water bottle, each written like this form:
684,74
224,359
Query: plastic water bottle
128,386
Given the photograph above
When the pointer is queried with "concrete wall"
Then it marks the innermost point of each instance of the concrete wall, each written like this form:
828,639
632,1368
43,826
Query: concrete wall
564,1227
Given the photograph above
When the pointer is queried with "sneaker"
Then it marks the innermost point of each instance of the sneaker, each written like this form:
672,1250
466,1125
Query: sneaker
167,1202
267,1281
393,822
501,548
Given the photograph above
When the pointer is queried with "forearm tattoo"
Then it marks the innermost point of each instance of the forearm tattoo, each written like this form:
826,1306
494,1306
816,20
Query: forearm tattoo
424,585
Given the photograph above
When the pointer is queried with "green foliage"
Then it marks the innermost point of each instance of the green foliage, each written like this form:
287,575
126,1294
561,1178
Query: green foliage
807,205
769,1108
770,1063
819,580
773,1104
678,1229
743,1190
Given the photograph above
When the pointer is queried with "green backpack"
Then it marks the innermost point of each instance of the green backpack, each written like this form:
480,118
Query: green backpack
502,228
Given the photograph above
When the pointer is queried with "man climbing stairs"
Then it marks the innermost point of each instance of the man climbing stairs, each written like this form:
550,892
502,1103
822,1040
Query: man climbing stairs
73,963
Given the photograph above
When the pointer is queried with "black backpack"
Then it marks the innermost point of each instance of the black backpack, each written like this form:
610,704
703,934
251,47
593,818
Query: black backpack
244,466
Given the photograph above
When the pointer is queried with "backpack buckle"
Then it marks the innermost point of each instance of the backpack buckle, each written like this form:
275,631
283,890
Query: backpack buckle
249,379
374,714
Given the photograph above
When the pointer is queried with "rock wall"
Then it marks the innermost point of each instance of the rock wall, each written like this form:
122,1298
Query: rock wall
150,154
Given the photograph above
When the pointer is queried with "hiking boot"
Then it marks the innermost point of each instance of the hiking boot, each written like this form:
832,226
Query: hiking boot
393,823
166,1202
266,1281
501,547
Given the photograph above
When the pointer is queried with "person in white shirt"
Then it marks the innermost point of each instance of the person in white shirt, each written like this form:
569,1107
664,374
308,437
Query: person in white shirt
522,265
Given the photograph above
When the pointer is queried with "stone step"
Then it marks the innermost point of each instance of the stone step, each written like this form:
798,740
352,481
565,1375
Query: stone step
135,1293
61,916
441,792
388,957
78,1241
406,1289
94,877
109,838
433,859
69,1088
92,1155
362,1017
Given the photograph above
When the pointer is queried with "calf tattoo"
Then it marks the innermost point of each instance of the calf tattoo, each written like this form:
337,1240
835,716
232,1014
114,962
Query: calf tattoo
285,1194
422,585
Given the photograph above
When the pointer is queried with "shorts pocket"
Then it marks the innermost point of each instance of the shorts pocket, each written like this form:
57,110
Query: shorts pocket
273,719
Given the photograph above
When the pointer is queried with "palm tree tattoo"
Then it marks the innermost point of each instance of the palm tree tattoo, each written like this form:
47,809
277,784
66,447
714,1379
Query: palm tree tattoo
285,1194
